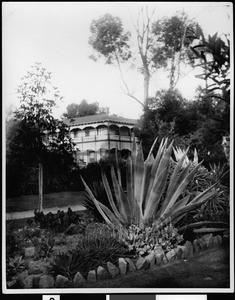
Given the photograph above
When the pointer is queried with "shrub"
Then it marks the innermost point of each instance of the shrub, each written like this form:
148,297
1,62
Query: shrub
56,222
217,206
90,252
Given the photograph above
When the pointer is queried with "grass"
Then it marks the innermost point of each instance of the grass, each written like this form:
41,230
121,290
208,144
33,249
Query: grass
30,202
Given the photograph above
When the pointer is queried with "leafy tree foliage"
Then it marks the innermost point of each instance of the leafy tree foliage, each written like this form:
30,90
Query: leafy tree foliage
74,110
172,42
109,40
187,122
156,43
166,115
212,54
36,137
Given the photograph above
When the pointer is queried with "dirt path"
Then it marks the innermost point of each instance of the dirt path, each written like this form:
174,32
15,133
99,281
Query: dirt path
209,269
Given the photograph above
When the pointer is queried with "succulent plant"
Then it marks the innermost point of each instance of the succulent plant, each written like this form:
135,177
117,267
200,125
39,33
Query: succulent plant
147,182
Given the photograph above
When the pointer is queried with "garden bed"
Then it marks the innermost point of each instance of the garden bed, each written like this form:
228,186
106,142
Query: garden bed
42,260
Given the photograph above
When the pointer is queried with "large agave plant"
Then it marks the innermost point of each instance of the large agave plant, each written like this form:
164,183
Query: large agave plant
151,195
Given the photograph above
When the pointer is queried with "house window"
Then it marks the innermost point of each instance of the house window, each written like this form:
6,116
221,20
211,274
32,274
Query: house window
114,130
87,132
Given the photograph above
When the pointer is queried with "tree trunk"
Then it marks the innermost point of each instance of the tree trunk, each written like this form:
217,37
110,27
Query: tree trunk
40,185
146,86
172,73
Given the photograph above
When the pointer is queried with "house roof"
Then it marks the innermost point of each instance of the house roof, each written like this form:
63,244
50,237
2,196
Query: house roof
99,119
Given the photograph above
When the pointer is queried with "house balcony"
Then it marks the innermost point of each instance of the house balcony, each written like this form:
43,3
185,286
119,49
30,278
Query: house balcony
104,137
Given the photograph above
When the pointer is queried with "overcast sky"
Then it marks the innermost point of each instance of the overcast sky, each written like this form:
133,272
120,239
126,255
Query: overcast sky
56,34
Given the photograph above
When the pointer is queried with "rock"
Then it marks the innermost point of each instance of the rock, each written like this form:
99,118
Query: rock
142,263
208,238
202,243
178,252
122,266
78,280
102,273
225,239
28,282
196,246
130,265
159,255
62,282
29,252
184,252
46,281
189,251
151,259
113,270
217,241
32,281
91,277
171,255
38,267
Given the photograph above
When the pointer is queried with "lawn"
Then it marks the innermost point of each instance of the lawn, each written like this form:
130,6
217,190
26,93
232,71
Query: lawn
209,269
30,202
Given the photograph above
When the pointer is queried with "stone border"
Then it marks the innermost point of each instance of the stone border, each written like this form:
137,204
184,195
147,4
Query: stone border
125,265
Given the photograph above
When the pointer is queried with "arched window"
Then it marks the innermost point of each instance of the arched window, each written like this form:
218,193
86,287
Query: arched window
113,129
102,130
124,131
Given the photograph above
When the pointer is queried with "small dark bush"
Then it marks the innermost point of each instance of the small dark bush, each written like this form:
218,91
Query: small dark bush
56,222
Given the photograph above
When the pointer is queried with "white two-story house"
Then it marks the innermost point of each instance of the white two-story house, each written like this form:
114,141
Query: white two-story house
99,135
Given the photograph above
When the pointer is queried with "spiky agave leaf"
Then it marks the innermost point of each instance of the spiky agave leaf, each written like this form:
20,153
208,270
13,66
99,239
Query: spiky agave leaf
130,186
138,178
154,168
118,168
151,149
123,205
176,178
183,206
121,217
96,202
195,157
159,183
106,213
145,184
184,178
